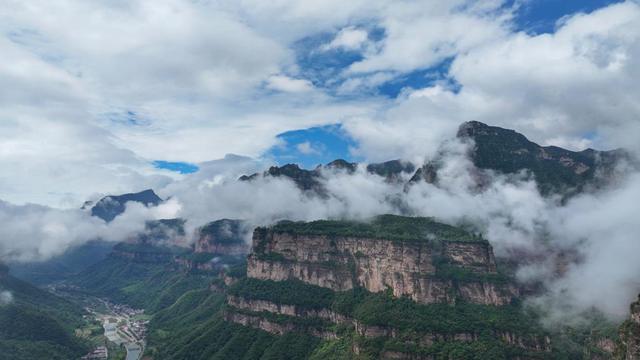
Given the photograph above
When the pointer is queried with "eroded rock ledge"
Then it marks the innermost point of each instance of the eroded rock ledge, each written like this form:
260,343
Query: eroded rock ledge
248,312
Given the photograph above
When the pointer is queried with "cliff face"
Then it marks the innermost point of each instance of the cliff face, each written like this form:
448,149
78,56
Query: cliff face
393,287
415,269
287,309
223,236
629,345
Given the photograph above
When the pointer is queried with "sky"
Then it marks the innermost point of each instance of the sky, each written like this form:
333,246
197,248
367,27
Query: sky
183,96
113,96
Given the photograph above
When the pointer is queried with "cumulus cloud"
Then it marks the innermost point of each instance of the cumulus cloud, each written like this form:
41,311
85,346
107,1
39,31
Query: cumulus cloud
287,84
191,81
307,148
349,38
574,87
419,35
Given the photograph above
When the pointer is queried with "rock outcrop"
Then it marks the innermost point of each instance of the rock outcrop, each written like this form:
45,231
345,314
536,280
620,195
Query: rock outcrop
276,327
428,270
287,309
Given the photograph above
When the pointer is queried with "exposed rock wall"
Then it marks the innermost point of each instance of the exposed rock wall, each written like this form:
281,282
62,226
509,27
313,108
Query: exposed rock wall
255,320
408,268
287,309
273,327
207,244
534,343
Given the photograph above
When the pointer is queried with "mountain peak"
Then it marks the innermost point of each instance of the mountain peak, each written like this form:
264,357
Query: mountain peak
113,205
556,170
473,129
341,164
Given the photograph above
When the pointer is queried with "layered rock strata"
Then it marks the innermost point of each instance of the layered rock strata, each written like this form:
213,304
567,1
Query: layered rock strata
409,268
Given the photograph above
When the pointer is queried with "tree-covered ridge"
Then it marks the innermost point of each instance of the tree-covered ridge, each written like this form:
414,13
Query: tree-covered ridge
292,292
193,328
390,227
556,170
152,286
150,248
35,324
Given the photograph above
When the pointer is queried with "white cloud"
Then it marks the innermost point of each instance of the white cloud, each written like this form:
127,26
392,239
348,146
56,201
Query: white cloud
306,148
194,75
576,87
419,35
287,84
349,38
34,232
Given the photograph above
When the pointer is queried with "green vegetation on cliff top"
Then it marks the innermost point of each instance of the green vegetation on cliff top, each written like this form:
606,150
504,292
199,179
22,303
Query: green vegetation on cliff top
391,227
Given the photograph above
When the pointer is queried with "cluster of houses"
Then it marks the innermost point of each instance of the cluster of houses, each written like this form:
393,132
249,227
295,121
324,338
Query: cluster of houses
100,352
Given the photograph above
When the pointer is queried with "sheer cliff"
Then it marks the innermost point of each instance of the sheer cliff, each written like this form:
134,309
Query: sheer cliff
393,287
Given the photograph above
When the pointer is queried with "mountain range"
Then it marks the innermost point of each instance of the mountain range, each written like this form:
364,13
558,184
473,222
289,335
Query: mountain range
392,287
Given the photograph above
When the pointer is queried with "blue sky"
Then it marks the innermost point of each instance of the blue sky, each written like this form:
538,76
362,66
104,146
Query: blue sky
311,147
540,16
177,166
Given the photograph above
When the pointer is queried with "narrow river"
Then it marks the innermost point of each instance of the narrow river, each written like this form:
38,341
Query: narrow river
133,351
